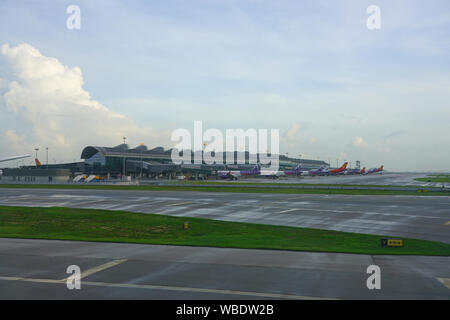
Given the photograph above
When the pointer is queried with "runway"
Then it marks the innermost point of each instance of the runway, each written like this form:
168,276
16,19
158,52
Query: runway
392,179
421,217
36,269
385,179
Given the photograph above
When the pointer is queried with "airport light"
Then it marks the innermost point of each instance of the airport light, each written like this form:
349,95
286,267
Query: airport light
124,158
142,161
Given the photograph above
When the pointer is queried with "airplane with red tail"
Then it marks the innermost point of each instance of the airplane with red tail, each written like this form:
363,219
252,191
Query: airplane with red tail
376,170
339,170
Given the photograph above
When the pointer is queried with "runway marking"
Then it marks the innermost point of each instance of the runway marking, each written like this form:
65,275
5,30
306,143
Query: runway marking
99,268
343,211
288,210
178,204
445,281
32,280
172,288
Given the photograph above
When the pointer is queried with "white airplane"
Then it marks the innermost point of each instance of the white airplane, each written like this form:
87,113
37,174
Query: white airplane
235,174
271,173
14,158
277,173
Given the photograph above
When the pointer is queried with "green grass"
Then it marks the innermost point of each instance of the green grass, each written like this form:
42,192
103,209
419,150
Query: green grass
238,189
121,226
435,178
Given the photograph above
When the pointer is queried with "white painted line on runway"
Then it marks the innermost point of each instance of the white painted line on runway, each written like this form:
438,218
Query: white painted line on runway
349,211
172,288
289,210
32,280
99,268
178,204
445,281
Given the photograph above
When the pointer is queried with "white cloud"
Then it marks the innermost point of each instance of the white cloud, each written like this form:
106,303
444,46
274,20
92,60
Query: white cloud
291,133
14,141
359,142
49,97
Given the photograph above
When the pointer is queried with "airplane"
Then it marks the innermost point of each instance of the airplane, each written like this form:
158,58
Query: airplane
355,171
296,172
14,158
235,174
314,172
351,171
375,170
338,170
276,173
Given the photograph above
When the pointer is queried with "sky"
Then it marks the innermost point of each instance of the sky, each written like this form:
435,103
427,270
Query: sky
335,89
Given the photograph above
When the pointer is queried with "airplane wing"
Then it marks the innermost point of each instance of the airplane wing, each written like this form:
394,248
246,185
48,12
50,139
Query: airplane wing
229,174
268,172
14,158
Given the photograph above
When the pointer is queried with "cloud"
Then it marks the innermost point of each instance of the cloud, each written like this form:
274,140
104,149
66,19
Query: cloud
49,98
359,142
394,134
14,141
292,134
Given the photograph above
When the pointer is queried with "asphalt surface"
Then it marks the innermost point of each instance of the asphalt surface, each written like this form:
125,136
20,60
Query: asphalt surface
36,269
394,179
421,217
385,179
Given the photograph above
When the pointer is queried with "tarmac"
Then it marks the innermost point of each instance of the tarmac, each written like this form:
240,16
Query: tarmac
421,217
36,269
391,179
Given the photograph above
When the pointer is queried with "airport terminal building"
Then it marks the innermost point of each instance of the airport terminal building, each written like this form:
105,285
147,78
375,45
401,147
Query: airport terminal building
140,160
139,163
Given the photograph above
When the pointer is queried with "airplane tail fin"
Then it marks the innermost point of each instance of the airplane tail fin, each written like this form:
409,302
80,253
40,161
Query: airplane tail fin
344,165
38,163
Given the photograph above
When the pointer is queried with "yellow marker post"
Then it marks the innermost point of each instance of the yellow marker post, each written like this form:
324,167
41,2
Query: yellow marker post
395,243
186,225
391,243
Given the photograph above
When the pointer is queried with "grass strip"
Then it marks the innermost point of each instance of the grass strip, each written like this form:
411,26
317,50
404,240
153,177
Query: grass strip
442,179
121,226
237,189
